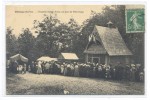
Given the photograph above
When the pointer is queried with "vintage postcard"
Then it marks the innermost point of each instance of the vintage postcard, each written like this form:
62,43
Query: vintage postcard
75,49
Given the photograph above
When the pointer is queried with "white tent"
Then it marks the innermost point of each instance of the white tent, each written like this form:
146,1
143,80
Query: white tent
46,58
18,57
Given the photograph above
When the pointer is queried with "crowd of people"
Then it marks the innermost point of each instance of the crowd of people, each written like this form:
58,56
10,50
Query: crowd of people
133,72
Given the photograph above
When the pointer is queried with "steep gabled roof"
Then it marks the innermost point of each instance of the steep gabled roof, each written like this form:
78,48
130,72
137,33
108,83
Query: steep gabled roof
112,41
94,48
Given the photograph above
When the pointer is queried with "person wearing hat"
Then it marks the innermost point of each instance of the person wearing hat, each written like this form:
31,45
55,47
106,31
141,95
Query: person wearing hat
62,68
127,72
113,72
24,68
108,71
15,66
103,71
32,66
99,71
65,69
87,69
69,69
72,69
96,70
47,67
132,70
141,74
137,72
76,70
39,68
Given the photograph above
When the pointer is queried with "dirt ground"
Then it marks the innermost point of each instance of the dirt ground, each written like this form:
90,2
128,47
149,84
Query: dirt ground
46,84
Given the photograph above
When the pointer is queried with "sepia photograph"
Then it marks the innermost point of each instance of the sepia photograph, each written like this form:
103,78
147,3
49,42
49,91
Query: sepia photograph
75,49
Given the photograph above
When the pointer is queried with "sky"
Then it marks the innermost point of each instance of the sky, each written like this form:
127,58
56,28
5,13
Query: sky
22,16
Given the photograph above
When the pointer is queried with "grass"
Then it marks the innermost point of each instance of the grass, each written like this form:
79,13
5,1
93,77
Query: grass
46,84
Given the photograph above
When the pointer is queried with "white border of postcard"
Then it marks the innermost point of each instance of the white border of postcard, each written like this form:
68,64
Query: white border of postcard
3,95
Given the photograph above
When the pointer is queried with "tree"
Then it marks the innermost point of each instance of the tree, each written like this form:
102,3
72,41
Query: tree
46,35
26,43
11,42
55,37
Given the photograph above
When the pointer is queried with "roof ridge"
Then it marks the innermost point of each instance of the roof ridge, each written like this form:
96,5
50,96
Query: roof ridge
107,27
120,48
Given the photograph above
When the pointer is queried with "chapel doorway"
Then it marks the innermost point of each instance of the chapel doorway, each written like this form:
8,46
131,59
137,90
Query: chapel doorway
96,60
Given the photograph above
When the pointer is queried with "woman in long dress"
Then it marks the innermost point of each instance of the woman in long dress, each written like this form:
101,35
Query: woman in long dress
99,71
65,69
20,69
24,68
69,69
76,70
72,70
62,69
39,69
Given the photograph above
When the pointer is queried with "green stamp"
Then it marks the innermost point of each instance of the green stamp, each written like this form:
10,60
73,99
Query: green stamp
135,20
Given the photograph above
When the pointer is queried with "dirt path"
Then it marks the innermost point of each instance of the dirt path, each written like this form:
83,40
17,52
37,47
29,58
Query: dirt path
33,84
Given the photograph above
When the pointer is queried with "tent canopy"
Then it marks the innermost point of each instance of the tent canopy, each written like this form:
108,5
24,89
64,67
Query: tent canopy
46,58
68,56
18,57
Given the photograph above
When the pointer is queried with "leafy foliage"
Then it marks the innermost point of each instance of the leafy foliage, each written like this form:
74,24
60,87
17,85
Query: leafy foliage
11,41
55,37
26,42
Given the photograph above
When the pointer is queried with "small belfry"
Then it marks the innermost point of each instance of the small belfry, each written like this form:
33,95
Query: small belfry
110,24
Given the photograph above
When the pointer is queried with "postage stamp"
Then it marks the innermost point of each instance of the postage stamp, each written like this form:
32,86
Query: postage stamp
135,20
